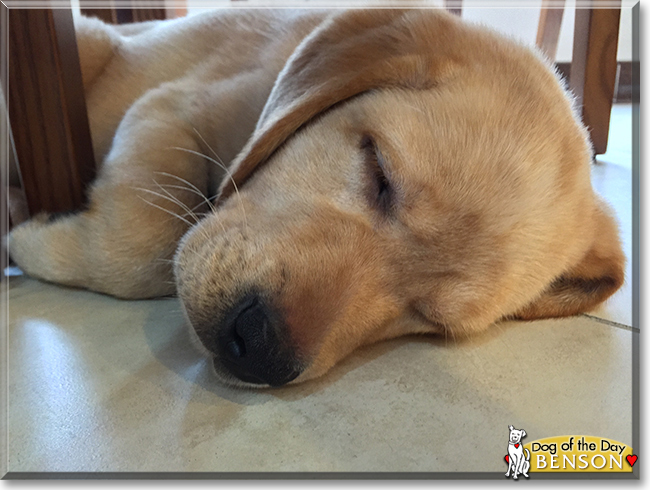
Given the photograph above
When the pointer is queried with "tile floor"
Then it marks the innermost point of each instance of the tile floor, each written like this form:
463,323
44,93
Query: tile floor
97,384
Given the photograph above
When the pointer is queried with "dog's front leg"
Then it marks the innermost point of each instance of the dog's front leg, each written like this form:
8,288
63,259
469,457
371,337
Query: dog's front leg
147,195
517,467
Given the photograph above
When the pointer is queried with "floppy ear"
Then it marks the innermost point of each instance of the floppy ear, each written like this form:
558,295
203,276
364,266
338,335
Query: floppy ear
348,54
510,427
523,434
591,281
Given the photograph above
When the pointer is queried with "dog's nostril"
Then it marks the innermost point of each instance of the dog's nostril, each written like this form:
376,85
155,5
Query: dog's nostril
236,348
251,325
252,344
238,333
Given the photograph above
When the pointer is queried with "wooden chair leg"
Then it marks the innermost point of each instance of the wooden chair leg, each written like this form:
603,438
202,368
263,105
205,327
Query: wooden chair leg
454,6
548,30
122,15
5,221
175,9
593,69
108,15
128,15
47,110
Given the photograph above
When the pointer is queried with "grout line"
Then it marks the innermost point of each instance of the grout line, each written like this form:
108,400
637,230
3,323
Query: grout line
611,323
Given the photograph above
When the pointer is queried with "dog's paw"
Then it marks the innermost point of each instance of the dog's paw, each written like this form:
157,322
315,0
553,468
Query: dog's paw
45,247
74,250
24,247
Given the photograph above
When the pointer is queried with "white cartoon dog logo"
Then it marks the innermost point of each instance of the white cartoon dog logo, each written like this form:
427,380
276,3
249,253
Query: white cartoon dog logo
515,458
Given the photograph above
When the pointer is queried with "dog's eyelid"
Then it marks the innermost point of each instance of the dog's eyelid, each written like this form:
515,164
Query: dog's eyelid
390,161
380,191
371,147
379,158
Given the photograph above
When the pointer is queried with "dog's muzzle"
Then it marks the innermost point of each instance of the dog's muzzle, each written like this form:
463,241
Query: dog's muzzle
252,344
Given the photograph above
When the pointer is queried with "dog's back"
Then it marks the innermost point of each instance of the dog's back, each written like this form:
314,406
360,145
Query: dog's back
122,63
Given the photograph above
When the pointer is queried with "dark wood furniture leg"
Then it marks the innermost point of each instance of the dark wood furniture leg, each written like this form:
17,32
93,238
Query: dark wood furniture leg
47,110
548,29
108,15
454,6
123,15
593,69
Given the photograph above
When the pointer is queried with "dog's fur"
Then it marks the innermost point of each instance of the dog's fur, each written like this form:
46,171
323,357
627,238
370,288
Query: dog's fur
489,211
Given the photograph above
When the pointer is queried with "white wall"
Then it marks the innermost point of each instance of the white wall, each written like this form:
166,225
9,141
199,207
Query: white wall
519,22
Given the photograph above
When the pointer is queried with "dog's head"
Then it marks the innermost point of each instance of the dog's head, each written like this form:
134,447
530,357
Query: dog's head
516,435
409,174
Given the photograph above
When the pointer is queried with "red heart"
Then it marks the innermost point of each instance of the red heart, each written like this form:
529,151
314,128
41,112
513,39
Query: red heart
517,445
631,459
507,459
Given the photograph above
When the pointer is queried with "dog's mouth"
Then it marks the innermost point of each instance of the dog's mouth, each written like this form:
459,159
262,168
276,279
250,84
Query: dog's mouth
232,374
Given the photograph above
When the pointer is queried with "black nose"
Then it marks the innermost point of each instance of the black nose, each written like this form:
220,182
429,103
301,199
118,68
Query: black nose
253,344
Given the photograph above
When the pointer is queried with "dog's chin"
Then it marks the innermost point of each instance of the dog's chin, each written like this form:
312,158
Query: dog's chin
228,379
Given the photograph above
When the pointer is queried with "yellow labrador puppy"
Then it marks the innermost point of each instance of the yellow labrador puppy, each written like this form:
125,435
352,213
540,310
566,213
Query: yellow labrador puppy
390,172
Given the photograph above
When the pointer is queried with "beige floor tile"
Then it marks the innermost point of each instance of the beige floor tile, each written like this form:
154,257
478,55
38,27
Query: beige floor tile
98,384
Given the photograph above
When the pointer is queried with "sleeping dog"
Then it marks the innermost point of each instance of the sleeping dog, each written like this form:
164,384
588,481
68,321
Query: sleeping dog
308,182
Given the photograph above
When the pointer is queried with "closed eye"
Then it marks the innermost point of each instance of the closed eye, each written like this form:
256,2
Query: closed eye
379,189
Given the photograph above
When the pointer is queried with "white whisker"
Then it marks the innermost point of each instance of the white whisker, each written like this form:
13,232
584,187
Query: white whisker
192,186
227,173
166,211
183,188
223,165
201,204
166,261
181,204
171,199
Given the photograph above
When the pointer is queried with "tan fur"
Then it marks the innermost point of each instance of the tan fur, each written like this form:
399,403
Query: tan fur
493,217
